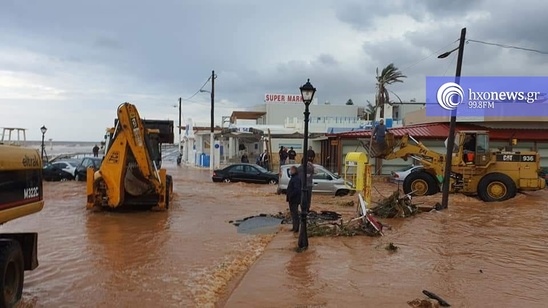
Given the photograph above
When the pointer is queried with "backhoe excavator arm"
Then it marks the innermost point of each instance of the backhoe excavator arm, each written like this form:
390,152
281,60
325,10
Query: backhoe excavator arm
428,158
127,166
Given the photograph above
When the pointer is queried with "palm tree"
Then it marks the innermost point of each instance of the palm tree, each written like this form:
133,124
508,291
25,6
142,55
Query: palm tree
370,109
389,75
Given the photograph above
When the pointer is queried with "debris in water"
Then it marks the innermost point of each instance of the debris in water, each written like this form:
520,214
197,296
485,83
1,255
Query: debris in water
391,247
341,228
423,303
440,300
395,206
481,271
346,203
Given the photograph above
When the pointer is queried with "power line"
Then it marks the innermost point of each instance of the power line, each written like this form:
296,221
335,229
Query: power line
509,46
450,64
432,54
201,88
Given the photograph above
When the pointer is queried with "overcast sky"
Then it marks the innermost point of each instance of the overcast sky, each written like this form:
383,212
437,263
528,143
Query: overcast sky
68,64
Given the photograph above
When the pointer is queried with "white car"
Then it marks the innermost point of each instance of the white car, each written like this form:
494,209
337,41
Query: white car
323,180
68,166
399,176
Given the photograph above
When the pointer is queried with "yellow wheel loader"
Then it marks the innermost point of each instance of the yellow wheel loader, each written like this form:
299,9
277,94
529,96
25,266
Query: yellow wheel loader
475,169
20,195
130,175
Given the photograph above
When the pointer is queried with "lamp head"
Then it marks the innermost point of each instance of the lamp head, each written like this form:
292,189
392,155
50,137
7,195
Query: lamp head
307,92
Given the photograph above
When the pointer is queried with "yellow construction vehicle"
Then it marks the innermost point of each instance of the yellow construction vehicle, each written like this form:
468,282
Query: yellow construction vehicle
131,174
20,195
475,170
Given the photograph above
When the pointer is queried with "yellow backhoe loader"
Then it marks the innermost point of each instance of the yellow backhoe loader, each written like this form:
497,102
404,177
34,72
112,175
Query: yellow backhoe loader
475,169
20,195
130,175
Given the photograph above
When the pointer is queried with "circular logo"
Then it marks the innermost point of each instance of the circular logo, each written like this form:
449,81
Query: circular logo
450,95
217,146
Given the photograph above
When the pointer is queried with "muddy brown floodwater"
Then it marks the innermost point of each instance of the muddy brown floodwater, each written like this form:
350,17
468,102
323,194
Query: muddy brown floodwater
190,256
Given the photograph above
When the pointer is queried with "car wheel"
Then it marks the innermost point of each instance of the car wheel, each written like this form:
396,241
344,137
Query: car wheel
341,192
273,182
226,180
63,179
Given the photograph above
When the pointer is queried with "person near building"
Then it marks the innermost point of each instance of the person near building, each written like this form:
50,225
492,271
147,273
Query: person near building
309,182
283,155
379,132
293,196
310,154
95,151
291,154
245,159
265,159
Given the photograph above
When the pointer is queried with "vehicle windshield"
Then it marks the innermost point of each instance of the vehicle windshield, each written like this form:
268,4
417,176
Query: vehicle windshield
261,168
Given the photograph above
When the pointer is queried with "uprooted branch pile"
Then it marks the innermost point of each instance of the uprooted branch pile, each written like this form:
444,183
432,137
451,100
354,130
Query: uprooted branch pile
395,206
327,223
340,228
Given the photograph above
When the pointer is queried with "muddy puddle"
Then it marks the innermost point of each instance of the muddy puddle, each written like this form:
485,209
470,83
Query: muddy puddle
191,256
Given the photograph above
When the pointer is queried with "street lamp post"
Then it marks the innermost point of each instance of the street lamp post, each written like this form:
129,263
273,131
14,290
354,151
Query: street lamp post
43,129
180,129
452,122
307,93
212,115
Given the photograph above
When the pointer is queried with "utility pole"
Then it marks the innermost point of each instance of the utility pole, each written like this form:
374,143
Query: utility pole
180,135
452,124
212,133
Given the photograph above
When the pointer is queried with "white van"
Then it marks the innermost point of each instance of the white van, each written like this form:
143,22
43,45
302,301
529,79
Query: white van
324,181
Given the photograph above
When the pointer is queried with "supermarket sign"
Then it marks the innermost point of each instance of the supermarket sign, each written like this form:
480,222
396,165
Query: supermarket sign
282,98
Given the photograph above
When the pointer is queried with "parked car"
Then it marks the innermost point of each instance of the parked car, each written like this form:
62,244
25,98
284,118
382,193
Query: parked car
324,181
399,176
245,173
56,172
68,165
80,173
543,173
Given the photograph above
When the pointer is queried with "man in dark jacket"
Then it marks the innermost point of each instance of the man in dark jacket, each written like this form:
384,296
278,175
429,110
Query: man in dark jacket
293,197
309,182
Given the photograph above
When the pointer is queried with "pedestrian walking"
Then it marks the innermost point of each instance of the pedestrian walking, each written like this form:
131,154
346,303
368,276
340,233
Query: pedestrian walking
293,197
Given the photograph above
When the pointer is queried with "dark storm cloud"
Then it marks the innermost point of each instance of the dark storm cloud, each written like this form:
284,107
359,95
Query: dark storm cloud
101,53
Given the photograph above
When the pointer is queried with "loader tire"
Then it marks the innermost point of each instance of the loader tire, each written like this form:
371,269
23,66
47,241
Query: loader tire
420,183
496,187
11,273
169,190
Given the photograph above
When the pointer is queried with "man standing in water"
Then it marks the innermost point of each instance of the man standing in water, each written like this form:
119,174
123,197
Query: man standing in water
293,197
309,182
95,151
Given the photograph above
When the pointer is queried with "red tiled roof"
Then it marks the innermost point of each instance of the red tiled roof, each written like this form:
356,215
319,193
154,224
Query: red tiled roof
441,131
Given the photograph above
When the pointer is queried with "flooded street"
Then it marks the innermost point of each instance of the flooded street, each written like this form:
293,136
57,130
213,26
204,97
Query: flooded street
472,255
178,258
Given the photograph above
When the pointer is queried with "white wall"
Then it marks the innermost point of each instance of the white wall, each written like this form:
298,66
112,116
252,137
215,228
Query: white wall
277,113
